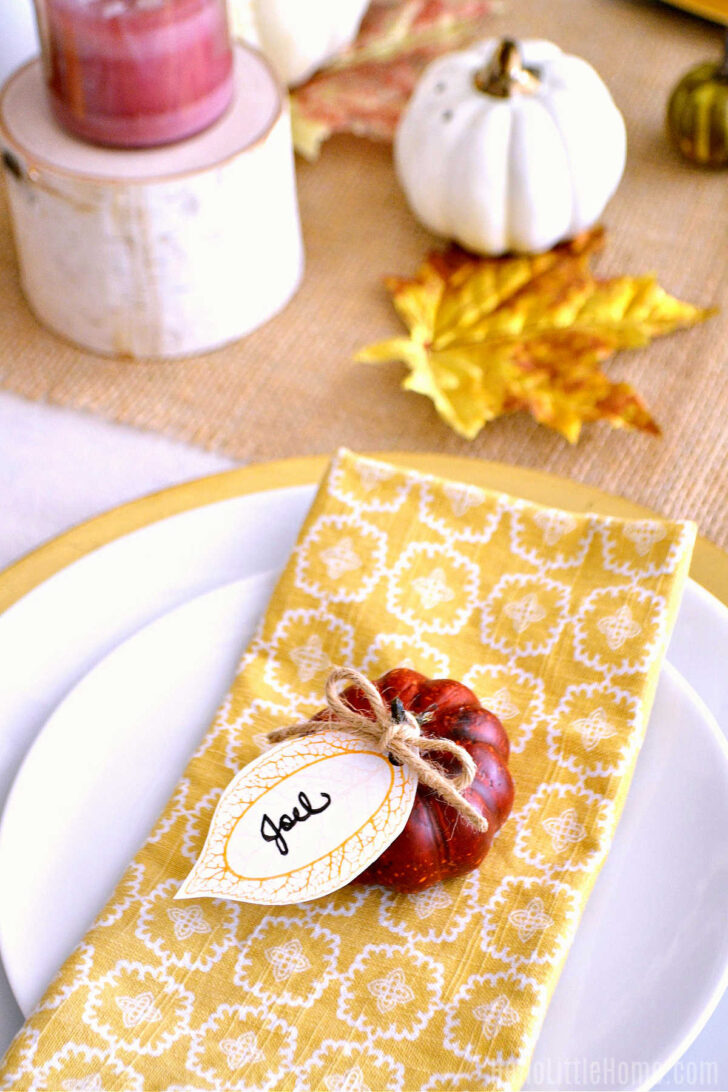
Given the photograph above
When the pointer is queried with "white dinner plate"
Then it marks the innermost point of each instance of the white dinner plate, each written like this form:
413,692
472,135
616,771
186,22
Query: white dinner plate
109,757
55,635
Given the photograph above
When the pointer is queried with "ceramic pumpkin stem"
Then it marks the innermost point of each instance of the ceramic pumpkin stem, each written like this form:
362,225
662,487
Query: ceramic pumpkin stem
506,74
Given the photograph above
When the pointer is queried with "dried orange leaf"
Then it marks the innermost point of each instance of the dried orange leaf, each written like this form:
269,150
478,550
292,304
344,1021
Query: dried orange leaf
365,88
489,336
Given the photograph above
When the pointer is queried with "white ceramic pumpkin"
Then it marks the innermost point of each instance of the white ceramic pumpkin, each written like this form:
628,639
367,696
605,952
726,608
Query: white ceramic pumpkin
297,36
510,147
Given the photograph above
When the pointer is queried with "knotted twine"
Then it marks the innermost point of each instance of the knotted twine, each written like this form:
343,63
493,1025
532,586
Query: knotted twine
397,732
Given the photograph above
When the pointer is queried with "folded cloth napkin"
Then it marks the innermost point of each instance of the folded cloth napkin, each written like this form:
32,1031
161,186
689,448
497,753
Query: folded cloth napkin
559,623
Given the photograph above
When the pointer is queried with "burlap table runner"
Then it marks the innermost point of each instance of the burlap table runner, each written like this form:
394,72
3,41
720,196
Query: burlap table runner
292,387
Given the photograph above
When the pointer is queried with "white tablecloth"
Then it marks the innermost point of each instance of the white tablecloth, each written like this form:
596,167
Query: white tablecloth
58,468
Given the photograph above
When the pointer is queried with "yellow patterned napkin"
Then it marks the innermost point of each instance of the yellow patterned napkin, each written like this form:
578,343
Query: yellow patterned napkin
559,623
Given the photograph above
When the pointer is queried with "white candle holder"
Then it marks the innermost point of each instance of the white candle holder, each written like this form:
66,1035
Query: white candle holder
167,252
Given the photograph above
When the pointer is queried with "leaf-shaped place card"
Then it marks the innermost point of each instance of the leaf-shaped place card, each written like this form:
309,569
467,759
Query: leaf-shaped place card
302,820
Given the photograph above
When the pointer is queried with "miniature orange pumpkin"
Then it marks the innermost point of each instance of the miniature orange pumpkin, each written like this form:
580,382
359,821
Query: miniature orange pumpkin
438,843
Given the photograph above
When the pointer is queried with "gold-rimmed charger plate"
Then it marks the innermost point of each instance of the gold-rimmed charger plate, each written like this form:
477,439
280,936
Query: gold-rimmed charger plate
709,567
717,10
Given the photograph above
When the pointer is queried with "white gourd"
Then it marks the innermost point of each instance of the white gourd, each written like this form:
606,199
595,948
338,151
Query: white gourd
297,36
510,147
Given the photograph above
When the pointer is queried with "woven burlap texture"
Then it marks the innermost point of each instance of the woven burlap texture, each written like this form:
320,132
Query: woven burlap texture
292,388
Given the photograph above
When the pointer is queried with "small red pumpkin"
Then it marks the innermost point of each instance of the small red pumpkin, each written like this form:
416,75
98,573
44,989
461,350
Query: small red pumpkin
438,843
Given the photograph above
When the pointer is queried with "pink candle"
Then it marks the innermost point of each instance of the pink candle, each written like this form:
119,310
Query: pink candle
136,73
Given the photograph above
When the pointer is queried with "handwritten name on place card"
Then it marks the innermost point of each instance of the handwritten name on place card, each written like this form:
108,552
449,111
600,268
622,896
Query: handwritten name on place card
301,821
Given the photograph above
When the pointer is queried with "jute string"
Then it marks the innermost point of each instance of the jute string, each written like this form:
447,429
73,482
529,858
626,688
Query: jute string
397,732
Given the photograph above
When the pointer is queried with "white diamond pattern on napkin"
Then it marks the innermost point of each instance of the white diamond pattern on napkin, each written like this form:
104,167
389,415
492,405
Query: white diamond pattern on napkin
242,1051
462,498
565,829
531,919
433,589
187,920
619,627
341,558
391,991
310,659
498,1014
644,536
287,959
501,703
524,612
554,525
594,728
371,475
428,901
139,1009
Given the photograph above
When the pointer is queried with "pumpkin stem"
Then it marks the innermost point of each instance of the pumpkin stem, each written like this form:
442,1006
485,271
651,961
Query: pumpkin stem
506,73
396,708
398,711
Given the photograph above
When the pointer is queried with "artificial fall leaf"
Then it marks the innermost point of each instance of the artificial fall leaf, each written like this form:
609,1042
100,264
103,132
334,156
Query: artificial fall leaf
489,336
366,87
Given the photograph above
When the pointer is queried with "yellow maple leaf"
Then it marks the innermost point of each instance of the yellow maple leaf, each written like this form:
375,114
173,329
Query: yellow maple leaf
489,336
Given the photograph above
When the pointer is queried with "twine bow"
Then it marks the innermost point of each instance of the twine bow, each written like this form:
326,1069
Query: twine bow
397,732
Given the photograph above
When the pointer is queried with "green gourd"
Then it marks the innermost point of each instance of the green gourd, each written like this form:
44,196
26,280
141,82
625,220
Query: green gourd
697,113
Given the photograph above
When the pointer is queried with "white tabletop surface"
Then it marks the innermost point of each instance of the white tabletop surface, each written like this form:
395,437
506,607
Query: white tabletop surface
58,468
